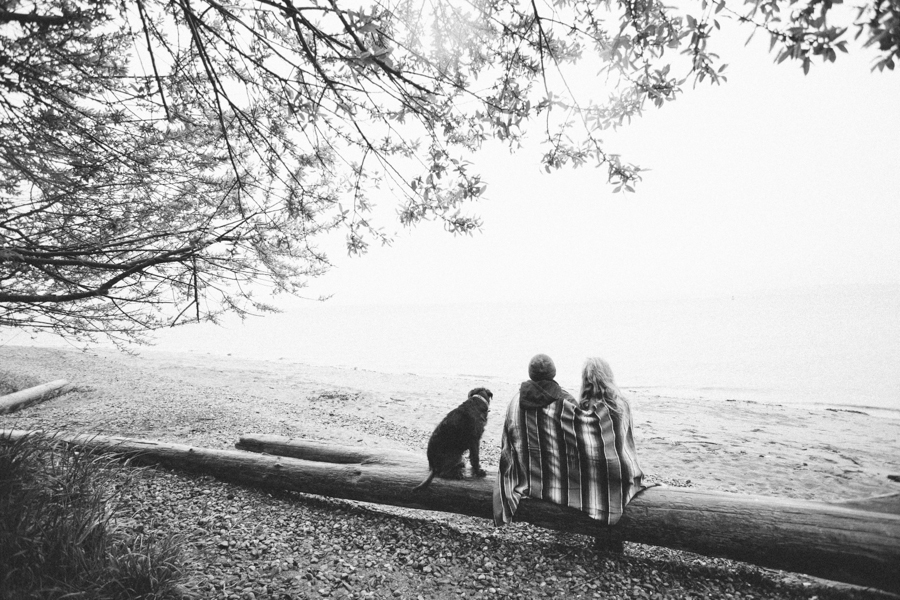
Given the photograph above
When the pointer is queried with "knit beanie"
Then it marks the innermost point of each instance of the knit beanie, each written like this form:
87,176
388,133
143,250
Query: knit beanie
541,368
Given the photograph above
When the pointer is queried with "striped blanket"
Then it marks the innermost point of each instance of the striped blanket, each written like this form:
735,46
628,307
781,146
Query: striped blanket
569,456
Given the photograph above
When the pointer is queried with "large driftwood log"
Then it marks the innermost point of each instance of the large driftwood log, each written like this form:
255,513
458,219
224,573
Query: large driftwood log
324,452
856,541
19,400
826,540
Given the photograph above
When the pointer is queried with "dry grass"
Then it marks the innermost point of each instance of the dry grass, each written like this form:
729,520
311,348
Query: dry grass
59,536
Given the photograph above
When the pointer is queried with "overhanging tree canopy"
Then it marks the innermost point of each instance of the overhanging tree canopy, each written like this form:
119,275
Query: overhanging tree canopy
164,160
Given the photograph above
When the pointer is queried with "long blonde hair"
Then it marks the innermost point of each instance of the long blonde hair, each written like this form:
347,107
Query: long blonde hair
598,385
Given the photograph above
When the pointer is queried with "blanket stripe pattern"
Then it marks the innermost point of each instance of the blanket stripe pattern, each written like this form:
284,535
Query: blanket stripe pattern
569,456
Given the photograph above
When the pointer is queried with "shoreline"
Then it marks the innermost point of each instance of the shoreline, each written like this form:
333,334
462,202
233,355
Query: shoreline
570,383
569,380
835,349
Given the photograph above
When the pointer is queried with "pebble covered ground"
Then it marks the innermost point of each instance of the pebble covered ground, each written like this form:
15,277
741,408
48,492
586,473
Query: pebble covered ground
247,544
242,543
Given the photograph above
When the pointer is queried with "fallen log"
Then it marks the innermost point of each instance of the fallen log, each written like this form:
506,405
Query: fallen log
19,400
832,541
322,451
855,541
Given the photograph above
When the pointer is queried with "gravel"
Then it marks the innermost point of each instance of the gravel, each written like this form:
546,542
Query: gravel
243,543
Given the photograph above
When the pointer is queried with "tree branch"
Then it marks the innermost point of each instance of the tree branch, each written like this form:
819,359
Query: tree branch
46,20
102,290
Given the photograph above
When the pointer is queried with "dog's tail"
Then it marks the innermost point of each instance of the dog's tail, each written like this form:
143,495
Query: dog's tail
425,483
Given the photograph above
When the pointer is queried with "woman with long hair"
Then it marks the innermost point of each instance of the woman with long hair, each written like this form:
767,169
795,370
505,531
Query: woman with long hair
598,386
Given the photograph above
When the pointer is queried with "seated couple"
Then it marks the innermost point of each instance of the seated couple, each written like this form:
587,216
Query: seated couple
578,453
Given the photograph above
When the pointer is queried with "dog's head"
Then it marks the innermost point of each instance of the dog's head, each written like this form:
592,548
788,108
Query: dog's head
483,393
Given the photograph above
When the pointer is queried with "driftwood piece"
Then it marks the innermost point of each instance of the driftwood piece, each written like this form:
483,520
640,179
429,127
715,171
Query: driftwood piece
323,451
826,540
19,400
887,503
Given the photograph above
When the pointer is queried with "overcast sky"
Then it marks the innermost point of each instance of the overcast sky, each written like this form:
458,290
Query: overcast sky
772,180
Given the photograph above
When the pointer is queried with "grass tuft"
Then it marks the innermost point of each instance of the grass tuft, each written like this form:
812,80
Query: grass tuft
58,532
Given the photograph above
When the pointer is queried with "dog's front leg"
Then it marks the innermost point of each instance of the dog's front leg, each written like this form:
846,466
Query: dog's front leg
475,459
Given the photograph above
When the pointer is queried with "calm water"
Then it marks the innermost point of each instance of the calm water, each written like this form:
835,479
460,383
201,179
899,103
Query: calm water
833,347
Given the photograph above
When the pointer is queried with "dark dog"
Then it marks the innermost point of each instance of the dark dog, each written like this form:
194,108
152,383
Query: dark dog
459,431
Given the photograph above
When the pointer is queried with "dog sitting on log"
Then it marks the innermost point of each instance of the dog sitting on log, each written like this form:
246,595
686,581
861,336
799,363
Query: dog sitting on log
459,431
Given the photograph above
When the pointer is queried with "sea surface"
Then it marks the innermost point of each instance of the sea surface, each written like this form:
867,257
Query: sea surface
833,346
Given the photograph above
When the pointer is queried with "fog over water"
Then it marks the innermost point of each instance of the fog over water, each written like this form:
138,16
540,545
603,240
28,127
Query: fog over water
832,346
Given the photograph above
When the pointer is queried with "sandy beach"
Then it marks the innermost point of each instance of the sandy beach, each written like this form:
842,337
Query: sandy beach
748,447
208,400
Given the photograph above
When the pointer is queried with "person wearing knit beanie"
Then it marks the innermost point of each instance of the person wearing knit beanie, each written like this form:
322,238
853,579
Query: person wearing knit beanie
541,389
541,368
